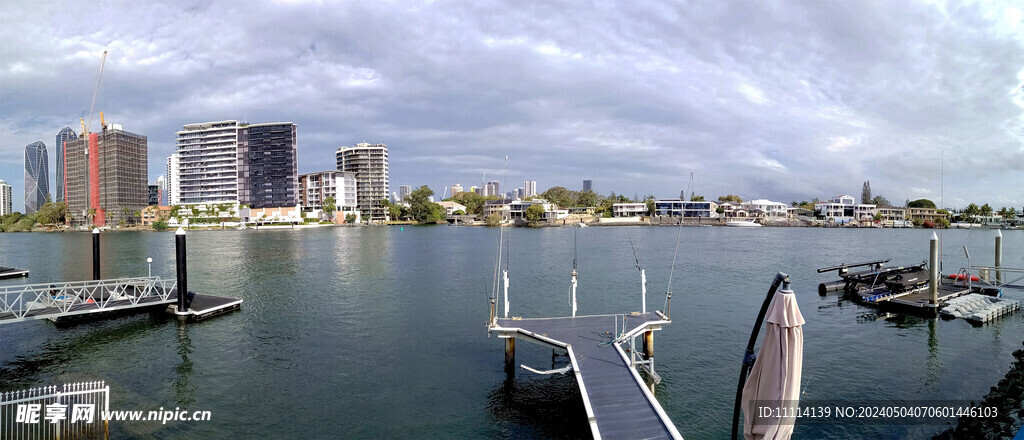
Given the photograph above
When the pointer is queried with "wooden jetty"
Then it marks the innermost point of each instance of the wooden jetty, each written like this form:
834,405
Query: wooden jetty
617,400
12,272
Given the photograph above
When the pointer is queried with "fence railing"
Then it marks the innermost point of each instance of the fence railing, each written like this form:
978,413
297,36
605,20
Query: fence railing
72,411
47,300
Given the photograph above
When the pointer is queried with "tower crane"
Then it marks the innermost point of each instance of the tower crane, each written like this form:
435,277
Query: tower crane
95,91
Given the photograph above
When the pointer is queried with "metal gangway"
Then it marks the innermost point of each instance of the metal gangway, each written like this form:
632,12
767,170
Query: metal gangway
57,300
617,400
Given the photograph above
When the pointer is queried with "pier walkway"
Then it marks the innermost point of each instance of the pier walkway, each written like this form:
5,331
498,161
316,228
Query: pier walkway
618,403
59,300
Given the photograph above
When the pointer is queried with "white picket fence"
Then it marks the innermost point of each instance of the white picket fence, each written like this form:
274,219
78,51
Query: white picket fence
72,411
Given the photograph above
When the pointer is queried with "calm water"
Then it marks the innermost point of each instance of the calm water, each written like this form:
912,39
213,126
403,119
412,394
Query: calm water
379,332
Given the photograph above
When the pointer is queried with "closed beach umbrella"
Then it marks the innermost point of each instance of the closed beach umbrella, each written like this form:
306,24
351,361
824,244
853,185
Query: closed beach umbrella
774,380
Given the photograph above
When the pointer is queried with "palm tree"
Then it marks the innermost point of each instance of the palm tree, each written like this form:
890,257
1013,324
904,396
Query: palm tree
127,213
91,213
138,215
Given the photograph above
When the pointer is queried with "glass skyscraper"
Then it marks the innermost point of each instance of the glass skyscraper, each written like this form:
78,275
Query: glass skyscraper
268,176
65,134
37,176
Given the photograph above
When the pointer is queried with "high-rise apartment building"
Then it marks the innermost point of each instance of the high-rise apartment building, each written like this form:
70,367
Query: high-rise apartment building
110,187
456,188
153,197
207,163
173,171
588,185
65,134
268,165
5,198
370,163
161,184
529,188
37,176
492,188
315,188
403,192
232,162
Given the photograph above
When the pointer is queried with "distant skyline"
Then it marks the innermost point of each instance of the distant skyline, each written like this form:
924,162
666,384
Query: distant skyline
782,101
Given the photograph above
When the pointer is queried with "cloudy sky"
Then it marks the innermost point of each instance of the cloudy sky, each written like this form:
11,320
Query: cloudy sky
779,100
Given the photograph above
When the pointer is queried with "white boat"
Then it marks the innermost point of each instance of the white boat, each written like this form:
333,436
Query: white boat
743,224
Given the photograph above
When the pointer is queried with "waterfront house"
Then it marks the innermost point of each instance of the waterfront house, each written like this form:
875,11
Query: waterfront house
154,213
733,209
628,209
496,206
844,209
766,208
685,209
923,214
517,209
451,207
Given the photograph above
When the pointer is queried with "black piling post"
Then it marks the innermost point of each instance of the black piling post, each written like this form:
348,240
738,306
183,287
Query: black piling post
95,254
179,248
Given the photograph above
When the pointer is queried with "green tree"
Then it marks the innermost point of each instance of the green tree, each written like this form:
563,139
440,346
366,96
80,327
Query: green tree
970,212
138,216
1007,213
330,205
921,203
459,212
350,218
985,210
560,196
696,198
534,213
160,225
127,215
91,214
720,210
422,209
865,192
880,201
493,220
730,198
473,202
649,202
52,213
586,198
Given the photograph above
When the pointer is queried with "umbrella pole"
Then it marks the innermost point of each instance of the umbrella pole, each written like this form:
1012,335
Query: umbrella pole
748,357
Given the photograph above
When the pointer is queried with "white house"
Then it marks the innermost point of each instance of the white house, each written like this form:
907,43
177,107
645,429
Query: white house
766,208
628,209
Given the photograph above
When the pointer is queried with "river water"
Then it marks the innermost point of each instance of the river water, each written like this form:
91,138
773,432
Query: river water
380,332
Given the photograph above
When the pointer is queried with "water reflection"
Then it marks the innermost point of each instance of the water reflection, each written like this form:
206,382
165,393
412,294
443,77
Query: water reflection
546,407
184,388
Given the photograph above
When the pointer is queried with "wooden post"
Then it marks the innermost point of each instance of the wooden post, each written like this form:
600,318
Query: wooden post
95,254
999,256
648,344
510,355
933,270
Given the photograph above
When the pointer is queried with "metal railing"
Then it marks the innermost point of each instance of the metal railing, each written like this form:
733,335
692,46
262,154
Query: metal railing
75,410
51,300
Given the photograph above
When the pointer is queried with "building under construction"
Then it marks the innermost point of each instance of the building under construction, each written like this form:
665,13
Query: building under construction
104,175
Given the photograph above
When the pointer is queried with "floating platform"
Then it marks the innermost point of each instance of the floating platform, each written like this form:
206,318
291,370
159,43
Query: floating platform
12,272
618,402
202,306
979,309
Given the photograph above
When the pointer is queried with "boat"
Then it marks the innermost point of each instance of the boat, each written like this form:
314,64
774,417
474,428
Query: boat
743,224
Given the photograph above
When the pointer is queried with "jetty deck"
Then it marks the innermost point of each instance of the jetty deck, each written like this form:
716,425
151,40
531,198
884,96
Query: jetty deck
917,298
618,402
12,272
79,299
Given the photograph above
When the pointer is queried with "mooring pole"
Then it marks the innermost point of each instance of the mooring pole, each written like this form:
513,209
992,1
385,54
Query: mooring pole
933,270
179,248
648,344
510,355
999,256
95,254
